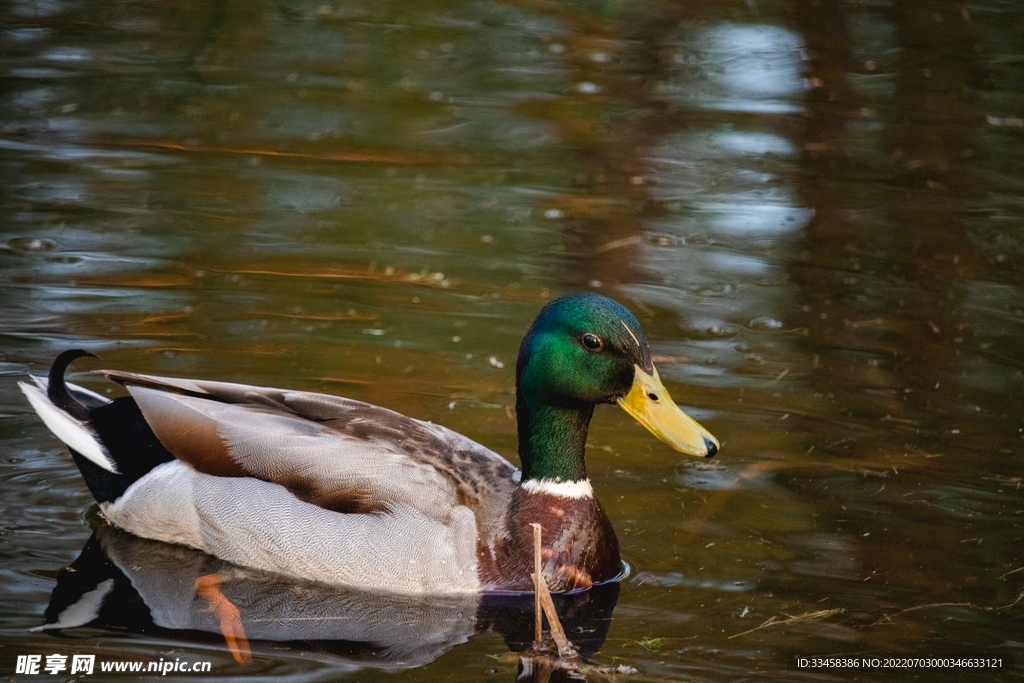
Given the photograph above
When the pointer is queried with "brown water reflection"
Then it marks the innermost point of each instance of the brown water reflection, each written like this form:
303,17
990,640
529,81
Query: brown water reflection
812,207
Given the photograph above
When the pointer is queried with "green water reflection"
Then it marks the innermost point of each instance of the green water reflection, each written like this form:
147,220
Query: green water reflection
814,209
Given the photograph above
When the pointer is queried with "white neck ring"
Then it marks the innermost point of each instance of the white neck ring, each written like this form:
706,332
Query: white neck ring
561,489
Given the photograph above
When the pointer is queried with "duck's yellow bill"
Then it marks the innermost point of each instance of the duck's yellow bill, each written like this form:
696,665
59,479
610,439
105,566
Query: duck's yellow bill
650,405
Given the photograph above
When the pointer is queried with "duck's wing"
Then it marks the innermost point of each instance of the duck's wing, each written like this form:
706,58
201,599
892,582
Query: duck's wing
339,454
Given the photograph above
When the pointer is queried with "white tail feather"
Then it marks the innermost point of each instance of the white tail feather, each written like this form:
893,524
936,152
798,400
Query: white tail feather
77,435
82,612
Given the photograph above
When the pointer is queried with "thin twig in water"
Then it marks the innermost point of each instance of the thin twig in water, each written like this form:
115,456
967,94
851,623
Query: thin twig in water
806,616
970,605
539,667
565,648
1019,598
538,621
888,617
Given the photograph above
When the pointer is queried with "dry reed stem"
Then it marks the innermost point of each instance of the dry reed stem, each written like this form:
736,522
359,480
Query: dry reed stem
543,597
538,621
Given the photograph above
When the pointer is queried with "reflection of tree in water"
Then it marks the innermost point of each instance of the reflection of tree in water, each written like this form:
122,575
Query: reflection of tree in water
886,268
889,272
614,56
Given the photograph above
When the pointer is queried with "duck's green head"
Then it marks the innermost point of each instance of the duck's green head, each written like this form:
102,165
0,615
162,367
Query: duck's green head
585,349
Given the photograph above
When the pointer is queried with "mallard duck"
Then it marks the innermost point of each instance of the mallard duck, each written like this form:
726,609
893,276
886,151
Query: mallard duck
340,491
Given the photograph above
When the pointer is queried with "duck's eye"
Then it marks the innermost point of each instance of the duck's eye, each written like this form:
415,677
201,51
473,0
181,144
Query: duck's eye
592,342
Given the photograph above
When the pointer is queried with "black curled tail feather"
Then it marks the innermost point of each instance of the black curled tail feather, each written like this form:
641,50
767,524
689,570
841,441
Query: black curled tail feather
118,425
57,388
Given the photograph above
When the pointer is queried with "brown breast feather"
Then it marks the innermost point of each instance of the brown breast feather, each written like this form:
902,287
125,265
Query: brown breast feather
579,546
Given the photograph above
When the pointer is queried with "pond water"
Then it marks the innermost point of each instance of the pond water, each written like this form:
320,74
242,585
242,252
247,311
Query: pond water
815,209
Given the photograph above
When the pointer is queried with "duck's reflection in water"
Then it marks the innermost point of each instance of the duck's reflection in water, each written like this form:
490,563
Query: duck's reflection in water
124,582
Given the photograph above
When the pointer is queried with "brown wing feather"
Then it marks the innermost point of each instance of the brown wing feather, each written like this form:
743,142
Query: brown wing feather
189,435
192,428
483,480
